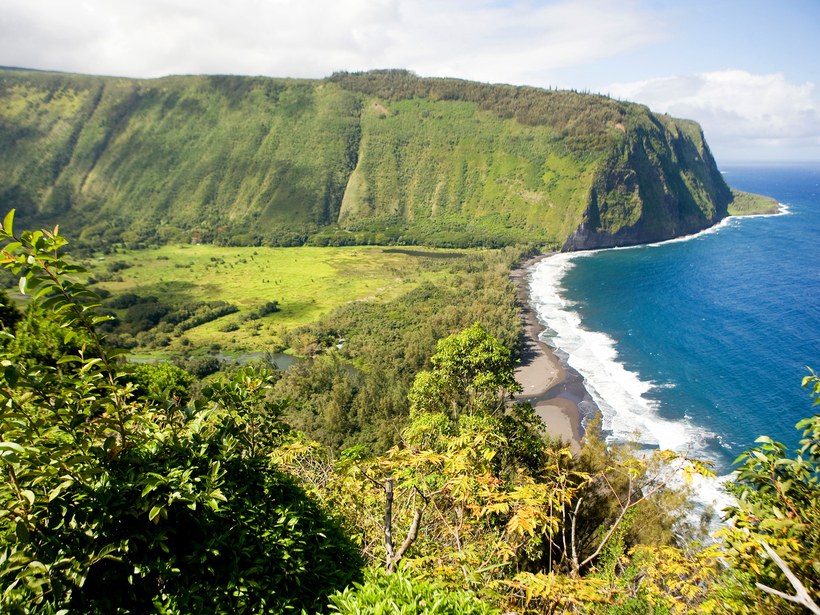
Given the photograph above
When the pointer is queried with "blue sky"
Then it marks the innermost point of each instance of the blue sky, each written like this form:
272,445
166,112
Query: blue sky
748,70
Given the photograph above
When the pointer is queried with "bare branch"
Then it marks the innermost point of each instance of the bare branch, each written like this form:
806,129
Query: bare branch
394,557
412,533
801,595
612,528
612,489
388,522
575,566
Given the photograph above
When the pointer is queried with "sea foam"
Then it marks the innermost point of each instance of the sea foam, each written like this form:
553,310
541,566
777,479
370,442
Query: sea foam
628,413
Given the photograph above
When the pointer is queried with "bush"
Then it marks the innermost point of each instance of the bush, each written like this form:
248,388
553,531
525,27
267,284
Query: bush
116,266
266,308
261,546
401,594
200,366
126,300
162,382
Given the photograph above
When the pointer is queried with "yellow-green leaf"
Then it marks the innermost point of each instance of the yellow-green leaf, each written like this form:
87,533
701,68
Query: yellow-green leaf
8,222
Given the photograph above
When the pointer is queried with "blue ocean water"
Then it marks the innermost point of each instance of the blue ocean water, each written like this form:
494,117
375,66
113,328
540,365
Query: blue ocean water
699,344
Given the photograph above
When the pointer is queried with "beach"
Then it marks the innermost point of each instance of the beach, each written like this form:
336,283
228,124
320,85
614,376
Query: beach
540,373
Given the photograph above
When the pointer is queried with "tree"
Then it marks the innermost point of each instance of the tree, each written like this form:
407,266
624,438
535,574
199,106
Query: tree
163,383
444,503
625,492
472,372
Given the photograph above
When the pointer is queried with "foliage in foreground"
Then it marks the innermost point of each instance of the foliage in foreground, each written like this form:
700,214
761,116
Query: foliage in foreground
478,499
404,594
777,517
118,496
113,502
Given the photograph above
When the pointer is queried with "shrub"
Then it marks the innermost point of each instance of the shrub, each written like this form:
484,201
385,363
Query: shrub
201,366
401,594
162,382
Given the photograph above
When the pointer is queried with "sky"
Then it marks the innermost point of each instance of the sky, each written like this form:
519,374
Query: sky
747,70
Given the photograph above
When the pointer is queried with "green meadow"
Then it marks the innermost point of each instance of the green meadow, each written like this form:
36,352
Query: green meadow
746,203
306,282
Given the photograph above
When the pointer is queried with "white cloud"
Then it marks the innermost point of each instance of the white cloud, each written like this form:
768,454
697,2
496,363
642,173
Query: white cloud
741,113
491,40
534,42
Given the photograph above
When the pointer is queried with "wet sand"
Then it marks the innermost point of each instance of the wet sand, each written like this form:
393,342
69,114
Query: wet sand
547,386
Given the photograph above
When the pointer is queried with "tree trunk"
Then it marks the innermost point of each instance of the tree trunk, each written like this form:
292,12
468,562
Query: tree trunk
388,524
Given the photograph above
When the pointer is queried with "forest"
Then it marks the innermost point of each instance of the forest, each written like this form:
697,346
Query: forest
396,474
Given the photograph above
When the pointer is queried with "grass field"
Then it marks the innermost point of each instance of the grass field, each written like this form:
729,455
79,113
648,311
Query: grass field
306,282
746,203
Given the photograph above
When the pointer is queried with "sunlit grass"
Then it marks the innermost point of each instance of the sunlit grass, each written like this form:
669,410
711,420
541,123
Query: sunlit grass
306,282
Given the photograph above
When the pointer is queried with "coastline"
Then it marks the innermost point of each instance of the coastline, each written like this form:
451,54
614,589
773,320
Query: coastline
554,389
546,382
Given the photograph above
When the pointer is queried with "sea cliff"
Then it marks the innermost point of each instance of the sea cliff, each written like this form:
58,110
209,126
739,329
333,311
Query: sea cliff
379,157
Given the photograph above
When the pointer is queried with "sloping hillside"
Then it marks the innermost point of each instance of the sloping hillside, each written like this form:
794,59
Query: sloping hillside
378,157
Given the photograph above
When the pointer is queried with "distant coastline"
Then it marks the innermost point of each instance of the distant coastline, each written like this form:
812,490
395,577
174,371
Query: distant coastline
749,204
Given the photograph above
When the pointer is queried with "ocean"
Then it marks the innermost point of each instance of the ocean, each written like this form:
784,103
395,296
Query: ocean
698,344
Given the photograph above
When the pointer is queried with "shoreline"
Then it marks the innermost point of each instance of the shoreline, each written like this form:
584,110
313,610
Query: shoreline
553,391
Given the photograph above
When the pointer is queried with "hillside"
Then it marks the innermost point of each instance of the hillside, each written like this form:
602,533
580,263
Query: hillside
378,157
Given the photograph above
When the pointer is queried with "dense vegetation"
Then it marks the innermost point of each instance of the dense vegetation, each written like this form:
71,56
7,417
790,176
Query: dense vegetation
372,158
142,490
118,497
358,394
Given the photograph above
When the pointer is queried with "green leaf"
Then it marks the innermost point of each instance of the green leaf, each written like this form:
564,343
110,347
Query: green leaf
154,513
8,223
29,495
759,455
11,374
12,446
55,493
76,269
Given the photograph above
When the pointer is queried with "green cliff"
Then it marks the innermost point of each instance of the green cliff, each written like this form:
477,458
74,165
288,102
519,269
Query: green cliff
378,157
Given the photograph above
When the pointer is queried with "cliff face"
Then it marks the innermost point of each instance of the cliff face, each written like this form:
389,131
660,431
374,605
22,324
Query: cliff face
377,157
660,182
